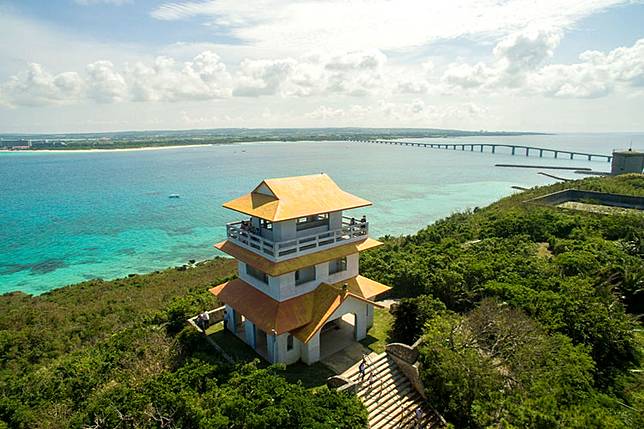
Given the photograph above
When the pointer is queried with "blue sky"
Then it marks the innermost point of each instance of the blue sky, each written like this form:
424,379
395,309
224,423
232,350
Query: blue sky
98,65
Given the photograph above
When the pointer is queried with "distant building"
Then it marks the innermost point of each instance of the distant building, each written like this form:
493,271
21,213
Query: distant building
299,295
627,161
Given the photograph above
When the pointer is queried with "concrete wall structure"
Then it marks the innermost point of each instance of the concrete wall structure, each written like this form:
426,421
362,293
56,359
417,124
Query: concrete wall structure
627,161
603,198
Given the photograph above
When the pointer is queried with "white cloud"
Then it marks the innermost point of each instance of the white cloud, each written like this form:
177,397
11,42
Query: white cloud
340,25
203,78
351,73
521,66
104,84
262,77
596,75
35,86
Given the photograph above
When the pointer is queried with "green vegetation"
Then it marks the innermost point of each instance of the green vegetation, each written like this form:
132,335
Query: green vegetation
118,354
527,313
526,316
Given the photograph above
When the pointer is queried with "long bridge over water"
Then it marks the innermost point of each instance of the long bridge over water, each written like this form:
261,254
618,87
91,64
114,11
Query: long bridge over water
481,147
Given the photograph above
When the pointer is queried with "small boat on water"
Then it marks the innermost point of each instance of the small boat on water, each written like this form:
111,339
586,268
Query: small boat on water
173,196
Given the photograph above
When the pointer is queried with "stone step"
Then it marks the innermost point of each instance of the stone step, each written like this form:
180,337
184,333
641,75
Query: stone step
393,410
429,420
393,397
378,379
407,418
394,384
353,373
390,399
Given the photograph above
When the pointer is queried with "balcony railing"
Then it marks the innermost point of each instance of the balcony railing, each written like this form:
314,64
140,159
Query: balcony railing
245,236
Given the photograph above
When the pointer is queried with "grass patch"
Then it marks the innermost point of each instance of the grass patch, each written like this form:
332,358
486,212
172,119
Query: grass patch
235,347
378,334
311,376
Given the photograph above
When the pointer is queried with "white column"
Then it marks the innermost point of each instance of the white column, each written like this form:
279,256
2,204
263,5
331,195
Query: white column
361,323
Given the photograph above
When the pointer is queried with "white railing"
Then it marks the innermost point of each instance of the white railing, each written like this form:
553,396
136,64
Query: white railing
242,234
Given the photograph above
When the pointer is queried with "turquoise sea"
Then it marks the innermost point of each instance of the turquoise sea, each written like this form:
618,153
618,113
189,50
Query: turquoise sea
69,217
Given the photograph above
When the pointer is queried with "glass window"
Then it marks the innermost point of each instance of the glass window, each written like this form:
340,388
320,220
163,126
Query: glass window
289,342
305,275
257,274
338,265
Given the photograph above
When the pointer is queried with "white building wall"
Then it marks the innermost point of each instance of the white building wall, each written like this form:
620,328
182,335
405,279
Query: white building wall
311,350
281,348
285,230
351,271
271,289
288,288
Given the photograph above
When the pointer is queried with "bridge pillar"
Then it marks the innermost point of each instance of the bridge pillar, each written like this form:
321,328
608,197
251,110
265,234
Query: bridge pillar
556,154
590,157
527,151
572,155
513,149
493,149
540,153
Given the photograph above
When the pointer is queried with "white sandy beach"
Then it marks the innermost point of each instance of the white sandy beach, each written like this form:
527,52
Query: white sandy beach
105,150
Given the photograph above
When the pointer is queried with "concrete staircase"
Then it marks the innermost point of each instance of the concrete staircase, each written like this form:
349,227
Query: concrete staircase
389,396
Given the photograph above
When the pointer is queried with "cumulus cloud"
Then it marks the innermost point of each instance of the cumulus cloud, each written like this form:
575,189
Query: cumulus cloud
104,84
35,86
204,77
596,75
521,65
516,55
262,77
351,73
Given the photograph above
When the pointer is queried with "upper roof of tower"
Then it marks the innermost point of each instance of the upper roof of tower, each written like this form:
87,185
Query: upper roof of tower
293,197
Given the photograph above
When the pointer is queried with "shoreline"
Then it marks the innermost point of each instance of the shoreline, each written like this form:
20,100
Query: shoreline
101,150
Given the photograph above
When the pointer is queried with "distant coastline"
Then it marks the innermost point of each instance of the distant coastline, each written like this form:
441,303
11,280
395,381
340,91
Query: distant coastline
193,138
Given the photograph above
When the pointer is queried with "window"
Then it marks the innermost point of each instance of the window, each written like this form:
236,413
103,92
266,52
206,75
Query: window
289,342
314,221
338,265
266,224
257,274
305,275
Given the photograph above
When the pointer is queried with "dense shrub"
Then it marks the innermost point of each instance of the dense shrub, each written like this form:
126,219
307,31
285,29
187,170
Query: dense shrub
579,276
411,315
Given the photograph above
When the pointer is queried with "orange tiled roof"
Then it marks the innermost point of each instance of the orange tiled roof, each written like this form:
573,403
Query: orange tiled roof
278,268
293,197
303,315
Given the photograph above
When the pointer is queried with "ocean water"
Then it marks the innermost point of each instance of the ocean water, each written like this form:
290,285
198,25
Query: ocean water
69,217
